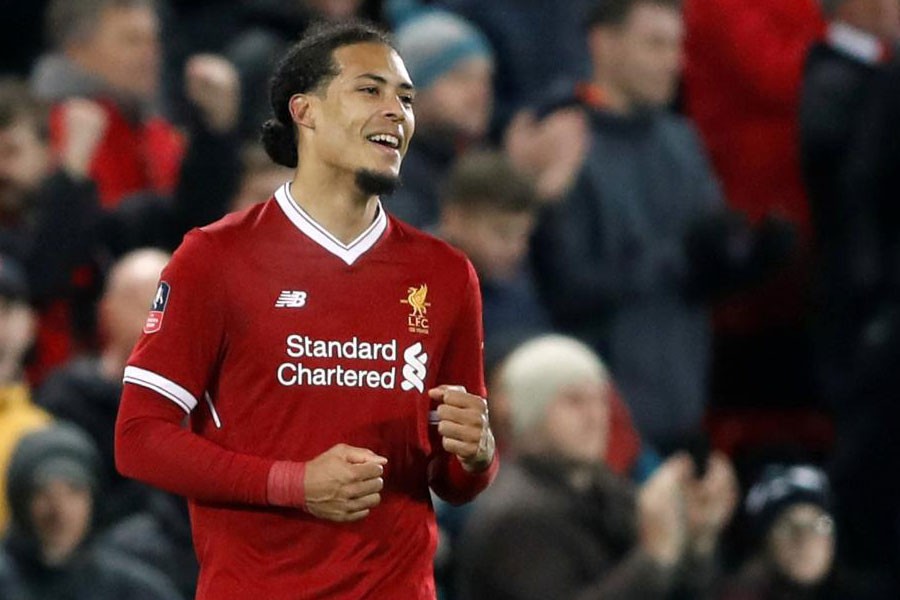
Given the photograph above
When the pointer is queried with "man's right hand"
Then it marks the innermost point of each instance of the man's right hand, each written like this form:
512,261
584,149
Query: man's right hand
344,483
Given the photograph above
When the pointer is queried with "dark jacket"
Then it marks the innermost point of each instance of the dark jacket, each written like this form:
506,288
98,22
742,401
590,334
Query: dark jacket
612,264
838,96
550,530
91,573
79,393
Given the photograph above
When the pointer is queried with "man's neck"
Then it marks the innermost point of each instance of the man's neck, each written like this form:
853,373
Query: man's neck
335,203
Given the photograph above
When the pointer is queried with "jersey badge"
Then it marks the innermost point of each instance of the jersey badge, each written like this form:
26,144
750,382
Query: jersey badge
417,320
157,309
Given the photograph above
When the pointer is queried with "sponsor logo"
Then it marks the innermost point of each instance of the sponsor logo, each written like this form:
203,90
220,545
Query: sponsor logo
417,320
414,370
355,364
157,309
291,299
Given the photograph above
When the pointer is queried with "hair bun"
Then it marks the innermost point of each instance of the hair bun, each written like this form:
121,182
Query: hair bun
279,143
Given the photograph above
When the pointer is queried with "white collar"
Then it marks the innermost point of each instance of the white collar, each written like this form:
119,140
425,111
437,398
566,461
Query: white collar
308,226
854,42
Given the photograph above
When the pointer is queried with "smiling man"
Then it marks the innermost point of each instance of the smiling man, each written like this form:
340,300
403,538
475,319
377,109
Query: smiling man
322,350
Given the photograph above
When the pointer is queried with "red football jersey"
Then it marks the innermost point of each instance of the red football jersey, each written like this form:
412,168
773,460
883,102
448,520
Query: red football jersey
280,341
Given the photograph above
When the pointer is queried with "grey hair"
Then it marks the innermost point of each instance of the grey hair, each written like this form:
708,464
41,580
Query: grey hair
68,21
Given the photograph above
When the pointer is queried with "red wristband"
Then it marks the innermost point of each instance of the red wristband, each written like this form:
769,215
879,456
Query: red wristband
285,484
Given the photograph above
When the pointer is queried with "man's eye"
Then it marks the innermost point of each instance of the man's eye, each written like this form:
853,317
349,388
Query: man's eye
371,90
408,100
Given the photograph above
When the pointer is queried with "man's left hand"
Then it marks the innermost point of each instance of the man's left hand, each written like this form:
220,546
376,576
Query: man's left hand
464,426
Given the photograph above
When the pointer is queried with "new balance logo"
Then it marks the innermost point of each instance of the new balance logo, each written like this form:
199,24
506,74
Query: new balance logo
414,370
291,299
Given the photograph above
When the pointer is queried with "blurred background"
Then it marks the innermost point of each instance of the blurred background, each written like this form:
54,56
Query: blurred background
694,200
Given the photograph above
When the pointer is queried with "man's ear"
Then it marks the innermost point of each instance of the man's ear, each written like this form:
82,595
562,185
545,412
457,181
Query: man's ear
301,114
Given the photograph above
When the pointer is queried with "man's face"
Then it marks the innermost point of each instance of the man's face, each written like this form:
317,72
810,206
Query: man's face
647,53
801,543
576,423
61,515
123,50
24,162
364,120
461,101
496,241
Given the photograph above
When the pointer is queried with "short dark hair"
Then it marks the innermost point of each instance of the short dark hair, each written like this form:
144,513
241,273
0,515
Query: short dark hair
308,66
616,12
485,179
69,20
17,104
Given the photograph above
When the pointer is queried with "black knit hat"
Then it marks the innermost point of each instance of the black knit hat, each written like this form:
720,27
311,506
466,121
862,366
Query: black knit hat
57,451
781,487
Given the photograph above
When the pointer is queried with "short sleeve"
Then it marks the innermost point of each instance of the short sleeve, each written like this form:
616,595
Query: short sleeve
184,334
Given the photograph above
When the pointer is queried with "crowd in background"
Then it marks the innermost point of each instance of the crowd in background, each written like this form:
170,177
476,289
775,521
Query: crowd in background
683,217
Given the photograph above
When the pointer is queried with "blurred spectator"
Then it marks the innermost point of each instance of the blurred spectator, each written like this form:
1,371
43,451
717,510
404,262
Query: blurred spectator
789,511
270,26
540,44
743,68
109,51
53,489
17,327
86,391
49,212
744,61
558,523
488,211
612,260
451,65
260,177
841,87
865,208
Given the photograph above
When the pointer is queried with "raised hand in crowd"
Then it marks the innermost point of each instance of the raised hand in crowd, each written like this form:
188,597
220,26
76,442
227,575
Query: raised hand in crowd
212,85
85,124
710,504
552,148
662,523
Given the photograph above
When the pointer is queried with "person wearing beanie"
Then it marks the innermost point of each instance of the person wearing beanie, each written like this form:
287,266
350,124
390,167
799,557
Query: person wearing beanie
788,512
559,523
451,63
49,552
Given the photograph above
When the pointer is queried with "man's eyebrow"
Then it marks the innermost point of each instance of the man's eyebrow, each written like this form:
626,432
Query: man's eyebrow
379,79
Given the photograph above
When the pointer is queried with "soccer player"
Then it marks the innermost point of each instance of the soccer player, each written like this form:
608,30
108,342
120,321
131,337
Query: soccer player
329,356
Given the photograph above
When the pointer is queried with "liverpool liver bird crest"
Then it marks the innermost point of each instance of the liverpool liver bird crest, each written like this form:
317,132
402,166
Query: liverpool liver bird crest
416,299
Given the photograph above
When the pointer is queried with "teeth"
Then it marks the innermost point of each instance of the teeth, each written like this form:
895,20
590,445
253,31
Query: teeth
391,140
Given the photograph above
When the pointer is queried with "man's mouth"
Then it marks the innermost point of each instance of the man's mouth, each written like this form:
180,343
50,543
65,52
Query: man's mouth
385,139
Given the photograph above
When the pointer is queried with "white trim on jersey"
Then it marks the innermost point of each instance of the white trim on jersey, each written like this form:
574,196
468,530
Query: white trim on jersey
308,226
161,386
